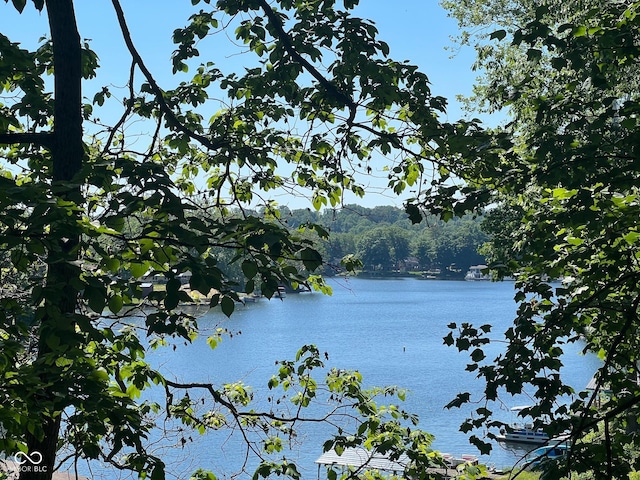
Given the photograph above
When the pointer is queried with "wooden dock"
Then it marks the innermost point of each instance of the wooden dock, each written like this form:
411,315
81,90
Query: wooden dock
361,458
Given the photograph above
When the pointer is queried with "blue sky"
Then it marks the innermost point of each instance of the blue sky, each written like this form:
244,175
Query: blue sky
416,30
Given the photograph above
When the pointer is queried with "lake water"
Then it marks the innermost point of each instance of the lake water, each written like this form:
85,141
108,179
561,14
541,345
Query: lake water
389,330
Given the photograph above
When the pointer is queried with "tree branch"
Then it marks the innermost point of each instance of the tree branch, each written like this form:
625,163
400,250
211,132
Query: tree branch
127,111
45,139
164,108
349,102
288,45
237,413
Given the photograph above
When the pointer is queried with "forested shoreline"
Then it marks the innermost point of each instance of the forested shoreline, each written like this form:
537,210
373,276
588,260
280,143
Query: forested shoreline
383,239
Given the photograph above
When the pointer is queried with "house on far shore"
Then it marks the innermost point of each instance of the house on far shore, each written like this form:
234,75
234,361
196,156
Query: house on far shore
475,273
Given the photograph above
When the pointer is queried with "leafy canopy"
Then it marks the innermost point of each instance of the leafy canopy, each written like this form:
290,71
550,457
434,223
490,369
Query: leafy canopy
89,211
565,190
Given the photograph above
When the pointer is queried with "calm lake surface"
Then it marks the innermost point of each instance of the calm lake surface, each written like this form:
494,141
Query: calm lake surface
389,330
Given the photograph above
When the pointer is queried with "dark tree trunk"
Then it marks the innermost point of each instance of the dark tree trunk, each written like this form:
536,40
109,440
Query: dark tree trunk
67,64
67,158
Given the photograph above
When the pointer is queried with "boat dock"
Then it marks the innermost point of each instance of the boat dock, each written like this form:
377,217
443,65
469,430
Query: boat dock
360,458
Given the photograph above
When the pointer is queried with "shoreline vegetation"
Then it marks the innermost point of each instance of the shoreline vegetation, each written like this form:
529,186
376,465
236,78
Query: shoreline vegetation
382,238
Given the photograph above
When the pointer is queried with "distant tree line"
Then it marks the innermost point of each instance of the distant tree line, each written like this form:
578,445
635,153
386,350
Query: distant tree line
384,239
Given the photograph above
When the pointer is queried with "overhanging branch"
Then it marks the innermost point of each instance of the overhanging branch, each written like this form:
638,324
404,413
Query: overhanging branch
45,139
157,91
218,398
288,45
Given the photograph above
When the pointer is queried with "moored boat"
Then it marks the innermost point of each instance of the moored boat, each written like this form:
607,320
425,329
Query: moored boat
544,454
453,461
476,273
522,433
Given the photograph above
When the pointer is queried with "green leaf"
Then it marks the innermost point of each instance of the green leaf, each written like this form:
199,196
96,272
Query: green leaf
115,303
311,259
460,400
138,269
249,268
631,238
563,193
201,474
574,241
63,362
580,31
171,300
213,341
448,340
20,4
559,63
534,54
415,216
477,355
498,35
158,471
111,264
228,305
95,298
53,341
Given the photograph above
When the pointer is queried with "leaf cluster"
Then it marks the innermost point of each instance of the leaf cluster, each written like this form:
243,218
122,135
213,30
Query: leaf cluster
567,189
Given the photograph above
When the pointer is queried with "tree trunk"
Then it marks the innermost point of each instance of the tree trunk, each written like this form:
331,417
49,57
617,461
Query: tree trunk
67,158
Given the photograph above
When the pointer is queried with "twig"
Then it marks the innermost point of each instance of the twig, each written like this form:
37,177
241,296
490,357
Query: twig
164,108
